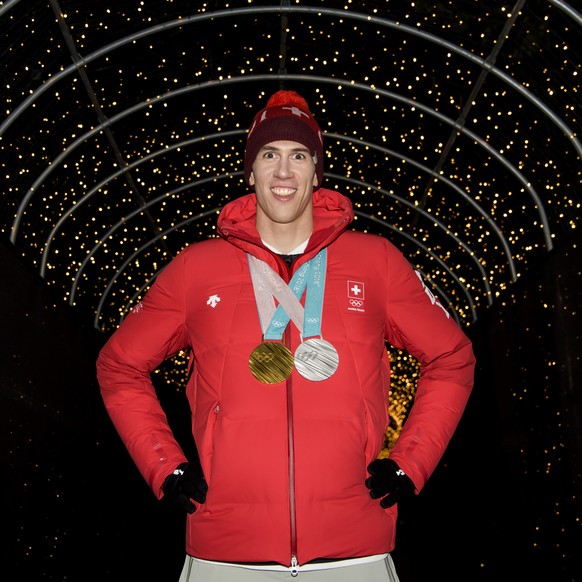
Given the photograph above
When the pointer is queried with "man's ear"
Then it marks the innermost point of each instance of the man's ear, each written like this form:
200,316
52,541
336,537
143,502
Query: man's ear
252,179
315,180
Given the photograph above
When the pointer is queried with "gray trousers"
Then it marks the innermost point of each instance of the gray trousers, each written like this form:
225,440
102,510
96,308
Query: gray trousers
202,571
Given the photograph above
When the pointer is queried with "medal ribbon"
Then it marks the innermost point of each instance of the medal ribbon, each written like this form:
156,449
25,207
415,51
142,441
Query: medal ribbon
314,296
268,285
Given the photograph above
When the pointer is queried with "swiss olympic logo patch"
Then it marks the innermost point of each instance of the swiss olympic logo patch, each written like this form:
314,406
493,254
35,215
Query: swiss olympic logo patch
356,296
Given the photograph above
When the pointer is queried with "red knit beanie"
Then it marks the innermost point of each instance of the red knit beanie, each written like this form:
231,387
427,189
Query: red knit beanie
286,117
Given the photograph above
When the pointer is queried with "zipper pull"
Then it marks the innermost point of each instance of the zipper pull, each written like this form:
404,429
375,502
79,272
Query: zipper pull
294,566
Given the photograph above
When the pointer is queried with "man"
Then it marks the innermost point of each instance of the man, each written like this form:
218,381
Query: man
287,315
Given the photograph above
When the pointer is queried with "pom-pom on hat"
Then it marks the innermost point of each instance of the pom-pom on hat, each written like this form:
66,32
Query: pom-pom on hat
286,117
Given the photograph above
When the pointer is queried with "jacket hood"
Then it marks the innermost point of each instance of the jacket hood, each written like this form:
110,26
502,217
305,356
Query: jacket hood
332,213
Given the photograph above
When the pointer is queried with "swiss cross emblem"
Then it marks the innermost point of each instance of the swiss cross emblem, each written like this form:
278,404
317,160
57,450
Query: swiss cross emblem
356,290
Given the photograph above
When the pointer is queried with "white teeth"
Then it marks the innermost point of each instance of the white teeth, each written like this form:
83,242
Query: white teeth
283,191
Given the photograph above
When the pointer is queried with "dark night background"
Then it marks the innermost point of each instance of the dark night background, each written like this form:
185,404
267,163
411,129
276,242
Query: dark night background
452,126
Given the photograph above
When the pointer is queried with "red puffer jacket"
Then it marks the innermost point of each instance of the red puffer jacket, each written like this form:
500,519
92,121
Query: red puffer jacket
286,463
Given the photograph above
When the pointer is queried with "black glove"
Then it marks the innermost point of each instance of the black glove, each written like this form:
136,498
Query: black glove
184,484
388,481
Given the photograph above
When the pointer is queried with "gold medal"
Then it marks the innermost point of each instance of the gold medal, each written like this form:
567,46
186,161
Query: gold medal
271,362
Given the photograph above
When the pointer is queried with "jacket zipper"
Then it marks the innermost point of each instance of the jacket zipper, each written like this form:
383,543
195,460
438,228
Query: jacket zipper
294,566
291,449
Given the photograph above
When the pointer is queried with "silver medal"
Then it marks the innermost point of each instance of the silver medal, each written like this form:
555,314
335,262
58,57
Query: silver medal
316,359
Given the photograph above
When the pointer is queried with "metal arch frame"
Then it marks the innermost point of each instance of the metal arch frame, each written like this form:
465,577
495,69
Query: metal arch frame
480,210
310,78
356,16
118,173
564,6
472,254
430,253
569,133
126,112
567,9
181,144
7,5
190,219
352,15
216,209
461,129
106,236
538,203
128,260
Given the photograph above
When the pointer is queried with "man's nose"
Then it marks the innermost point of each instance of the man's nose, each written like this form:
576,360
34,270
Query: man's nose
283,169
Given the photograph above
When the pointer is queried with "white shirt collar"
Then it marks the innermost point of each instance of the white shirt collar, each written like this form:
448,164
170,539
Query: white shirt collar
296,251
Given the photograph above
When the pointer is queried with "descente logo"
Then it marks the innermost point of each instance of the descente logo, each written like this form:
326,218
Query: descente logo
213,301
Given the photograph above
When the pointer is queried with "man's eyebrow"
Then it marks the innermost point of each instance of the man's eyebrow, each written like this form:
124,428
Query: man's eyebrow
274,149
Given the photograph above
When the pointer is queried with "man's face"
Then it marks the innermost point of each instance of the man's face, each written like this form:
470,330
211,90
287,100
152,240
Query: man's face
284,177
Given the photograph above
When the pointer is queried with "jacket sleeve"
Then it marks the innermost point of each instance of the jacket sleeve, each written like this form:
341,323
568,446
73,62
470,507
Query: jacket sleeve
420,325
151,332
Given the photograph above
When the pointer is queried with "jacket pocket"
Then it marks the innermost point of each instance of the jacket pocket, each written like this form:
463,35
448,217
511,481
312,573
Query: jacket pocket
206,455
374,441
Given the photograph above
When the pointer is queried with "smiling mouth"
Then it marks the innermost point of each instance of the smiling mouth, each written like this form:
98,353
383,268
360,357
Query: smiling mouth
285,192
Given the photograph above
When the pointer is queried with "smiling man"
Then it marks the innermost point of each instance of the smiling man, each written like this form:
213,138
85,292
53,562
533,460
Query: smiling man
284,176
287,315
